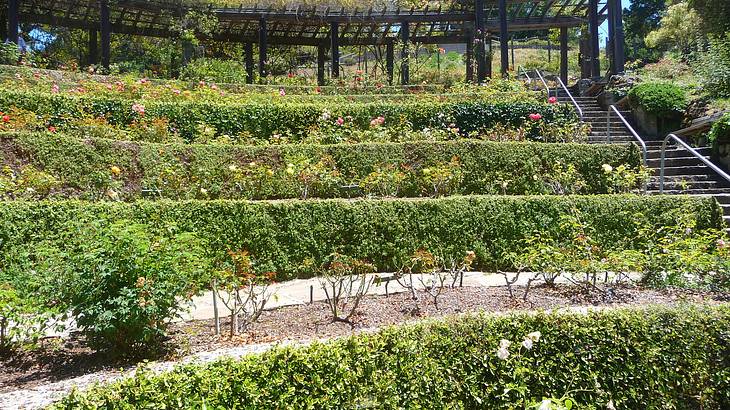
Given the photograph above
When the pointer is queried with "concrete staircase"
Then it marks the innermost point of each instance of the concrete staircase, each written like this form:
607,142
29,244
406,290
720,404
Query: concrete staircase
684,173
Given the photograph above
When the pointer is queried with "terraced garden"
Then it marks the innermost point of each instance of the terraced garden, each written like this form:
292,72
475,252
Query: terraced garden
306,217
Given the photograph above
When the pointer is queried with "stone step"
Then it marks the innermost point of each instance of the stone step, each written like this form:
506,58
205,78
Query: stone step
710,191
684,186
682,178
723,199
690,170
674,162
674,152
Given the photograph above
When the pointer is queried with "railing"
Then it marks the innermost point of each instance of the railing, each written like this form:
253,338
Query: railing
613,109
547,88
691,151
529,79
567,92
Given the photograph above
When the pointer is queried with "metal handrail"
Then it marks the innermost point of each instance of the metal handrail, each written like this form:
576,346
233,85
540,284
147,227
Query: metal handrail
529,79
691,151
567,92
543,82
644,150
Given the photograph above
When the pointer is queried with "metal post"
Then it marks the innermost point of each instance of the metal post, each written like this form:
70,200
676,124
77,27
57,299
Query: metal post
248,57
262,50
321,54
106,33
594,45
13,20
335,48
564,54
389,61
503,44
405,38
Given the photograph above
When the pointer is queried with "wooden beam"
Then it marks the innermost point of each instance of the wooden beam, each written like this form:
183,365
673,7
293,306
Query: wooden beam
248,57
263,47
13,20
405,38
503,45
564,54
106,33
479,50
389,61
335,49
469,59
619,39
594,45
93,48
321,55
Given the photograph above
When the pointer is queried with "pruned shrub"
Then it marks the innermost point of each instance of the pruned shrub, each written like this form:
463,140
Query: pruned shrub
660,99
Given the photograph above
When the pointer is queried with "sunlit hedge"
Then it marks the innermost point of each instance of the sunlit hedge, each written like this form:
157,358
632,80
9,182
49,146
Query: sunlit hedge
640,358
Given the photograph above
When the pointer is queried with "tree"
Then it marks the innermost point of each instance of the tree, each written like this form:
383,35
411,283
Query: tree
642,17
679,30
715,15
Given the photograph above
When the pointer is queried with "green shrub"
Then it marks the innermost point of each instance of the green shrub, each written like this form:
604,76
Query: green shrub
85,169
294,120
720,131
660,99
293,237
211,69
640,358
714,66
121,283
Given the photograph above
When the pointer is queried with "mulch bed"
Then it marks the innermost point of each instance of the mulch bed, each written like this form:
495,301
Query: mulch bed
60,359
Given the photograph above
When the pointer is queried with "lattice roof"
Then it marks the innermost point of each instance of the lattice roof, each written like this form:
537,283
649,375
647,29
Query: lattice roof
308,25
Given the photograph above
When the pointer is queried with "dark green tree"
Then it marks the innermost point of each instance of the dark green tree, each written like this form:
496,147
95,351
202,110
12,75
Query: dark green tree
642,17
715,15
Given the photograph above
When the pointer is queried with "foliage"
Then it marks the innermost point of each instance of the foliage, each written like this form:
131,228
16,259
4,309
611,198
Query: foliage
345,281
214,70
289,237
242,286
627,358
84,169
715,14
714,66
660,99
121,282
679,30
262,121
22,322
9,53
26,183
720,130
642,17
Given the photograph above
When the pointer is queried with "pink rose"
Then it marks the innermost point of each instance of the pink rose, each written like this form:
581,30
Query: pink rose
282,92
553,100
535,117
340,121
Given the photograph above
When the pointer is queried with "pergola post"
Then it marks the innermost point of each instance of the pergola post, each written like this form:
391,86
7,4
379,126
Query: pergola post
248,57
490,54
503,44
321,55
187,49
335,48
13,21
389,61
618,39
93,47
594,46
469,56
405,38
610,53
480,52
262,49
564,54
106,33
3,23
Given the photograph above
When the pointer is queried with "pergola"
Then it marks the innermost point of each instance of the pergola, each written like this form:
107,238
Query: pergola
475,24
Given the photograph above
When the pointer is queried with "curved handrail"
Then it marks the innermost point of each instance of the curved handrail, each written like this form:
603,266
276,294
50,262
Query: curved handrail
644,150
691,151
567,92
547,88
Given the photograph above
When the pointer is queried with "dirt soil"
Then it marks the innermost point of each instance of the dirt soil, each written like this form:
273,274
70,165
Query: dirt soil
57,359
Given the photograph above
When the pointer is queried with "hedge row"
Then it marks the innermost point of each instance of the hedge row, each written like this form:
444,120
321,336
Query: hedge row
290,237
262,120
640,358
190,171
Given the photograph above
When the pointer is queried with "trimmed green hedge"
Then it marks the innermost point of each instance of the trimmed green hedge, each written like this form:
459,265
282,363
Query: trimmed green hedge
190,171
660,99
262,120
641,358
289,237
